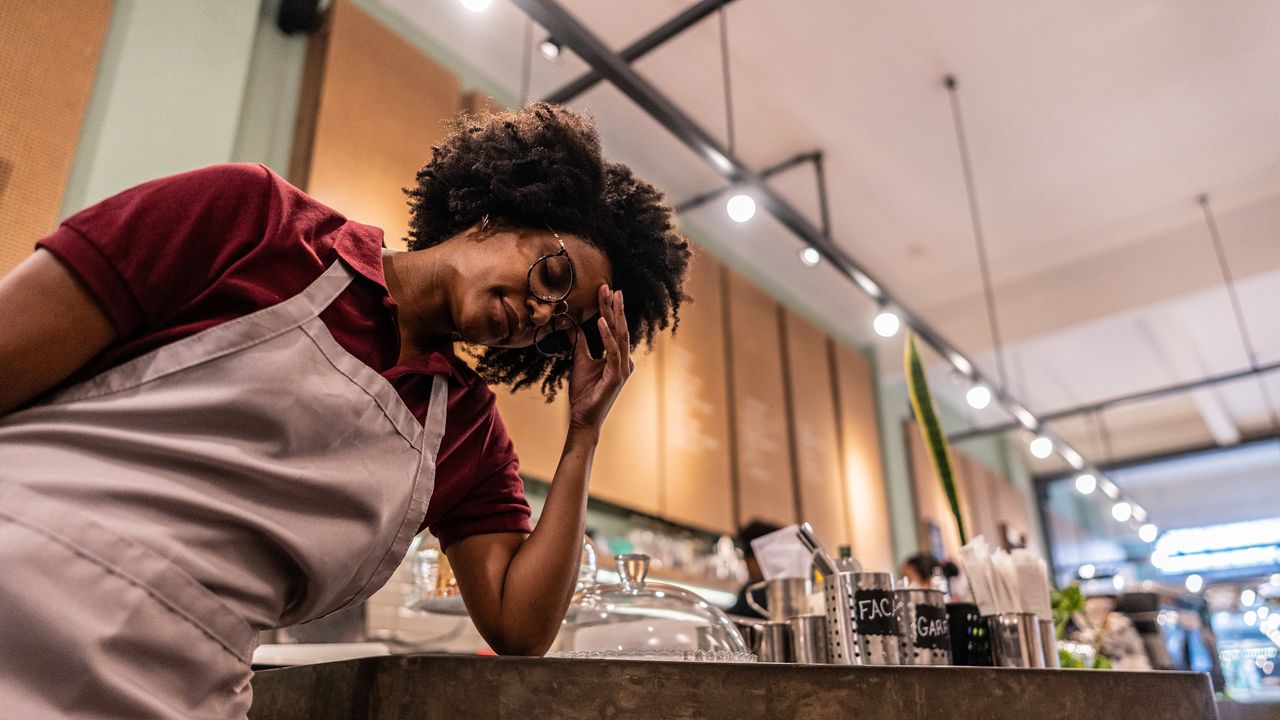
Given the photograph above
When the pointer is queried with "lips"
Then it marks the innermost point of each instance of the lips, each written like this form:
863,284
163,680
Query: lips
510,324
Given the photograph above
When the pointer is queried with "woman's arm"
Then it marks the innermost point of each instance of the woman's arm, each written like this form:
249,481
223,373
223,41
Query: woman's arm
517,588
50,328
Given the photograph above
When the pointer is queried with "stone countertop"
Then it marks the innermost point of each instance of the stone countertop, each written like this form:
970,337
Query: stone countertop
426,687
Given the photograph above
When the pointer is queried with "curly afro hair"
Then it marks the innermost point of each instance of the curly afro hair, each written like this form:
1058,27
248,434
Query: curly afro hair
542,167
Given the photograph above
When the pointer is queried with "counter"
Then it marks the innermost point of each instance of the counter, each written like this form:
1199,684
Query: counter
427,687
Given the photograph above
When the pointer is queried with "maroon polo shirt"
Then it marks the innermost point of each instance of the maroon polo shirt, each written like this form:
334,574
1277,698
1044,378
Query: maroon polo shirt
175,256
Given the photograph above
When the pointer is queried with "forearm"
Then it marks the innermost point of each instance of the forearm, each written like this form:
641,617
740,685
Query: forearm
544,570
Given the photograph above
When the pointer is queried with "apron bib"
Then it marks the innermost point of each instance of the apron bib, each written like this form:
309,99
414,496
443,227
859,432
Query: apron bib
156,516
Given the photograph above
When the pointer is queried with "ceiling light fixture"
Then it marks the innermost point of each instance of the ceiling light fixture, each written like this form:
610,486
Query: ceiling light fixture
978,397
810,256
1024,416
1087,571
476,6
1248,597
1086,483
886,324
1194,583
550,48
1122,511
1148,533
1041,447
741,208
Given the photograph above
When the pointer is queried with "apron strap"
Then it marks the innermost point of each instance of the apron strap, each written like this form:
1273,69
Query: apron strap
435,419
219,340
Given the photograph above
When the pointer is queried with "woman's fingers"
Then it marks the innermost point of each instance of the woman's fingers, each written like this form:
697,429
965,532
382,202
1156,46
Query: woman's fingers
611,351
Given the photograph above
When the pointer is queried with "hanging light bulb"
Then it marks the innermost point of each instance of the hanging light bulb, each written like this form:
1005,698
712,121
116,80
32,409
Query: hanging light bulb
886,324
1248,597
978,397
741,208
1148,533
476,5
550,48
1086,483
1041,447
1122,511
810,256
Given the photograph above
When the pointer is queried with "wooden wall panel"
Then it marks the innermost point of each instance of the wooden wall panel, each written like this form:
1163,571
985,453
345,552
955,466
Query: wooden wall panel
536,427
627,463
931,501
765,482
381,106
988,500
697,474
861,459
49,54
823,496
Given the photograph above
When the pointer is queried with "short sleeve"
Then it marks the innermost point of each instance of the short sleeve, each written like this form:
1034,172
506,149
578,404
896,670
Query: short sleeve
155,247
496,502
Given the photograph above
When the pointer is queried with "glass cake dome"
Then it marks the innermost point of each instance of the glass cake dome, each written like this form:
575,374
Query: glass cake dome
639,620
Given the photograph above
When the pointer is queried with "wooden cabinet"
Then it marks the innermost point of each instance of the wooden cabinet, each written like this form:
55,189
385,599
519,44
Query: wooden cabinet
823,500
378,105
627,460
762,446
697,478
861,461
536,427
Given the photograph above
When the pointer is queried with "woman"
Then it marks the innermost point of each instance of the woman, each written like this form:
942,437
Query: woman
227,408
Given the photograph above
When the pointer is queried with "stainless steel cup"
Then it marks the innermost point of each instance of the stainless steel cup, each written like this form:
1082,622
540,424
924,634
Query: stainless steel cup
862,624
922,624
1015,640
1049,643
775,643
809,639
785,597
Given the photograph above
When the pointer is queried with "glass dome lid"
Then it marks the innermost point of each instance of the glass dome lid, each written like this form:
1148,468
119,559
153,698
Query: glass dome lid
639,620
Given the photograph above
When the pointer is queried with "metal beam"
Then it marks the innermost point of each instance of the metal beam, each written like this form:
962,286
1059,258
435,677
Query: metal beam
613,68
703,198
639,48
1101,405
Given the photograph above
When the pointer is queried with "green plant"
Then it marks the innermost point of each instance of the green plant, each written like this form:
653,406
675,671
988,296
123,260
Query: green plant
935,440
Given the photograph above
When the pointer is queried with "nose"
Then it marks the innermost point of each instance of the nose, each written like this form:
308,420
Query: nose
540,312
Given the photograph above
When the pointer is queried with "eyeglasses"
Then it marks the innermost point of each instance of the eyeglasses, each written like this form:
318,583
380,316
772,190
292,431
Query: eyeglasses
550,281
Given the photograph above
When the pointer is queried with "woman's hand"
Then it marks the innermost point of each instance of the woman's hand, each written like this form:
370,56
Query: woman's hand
595,384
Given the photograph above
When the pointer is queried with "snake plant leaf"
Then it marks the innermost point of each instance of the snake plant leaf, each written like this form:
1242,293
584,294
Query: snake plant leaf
931,429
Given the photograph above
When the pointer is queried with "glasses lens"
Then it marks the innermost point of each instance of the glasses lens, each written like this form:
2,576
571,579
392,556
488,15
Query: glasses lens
551,278
557,338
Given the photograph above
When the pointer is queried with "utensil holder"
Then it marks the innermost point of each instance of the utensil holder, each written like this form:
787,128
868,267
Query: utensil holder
775,643
924,637
862,626
1015,640
1049,643
970,639
784,598
809,639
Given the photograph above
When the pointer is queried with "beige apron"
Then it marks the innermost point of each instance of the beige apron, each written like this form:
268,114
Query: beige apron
156,516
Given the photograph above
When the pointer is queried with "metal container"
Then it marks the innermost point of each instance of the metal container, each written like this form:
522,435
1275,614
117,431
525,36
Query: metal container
1049,643
809,639
1015,640
922,623
784,598
774,643
862,626
970,639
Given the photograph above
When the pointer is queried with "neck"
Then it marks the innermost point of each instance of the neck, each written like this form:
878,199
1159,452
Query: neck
417,282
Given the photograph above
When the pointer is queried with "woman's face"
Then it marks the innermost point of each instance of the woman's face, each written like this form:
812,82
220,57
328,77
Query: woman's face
492,304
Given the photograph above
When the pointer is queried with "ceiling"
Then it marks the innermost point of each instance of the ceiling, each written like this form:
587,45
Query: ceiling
1093,128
